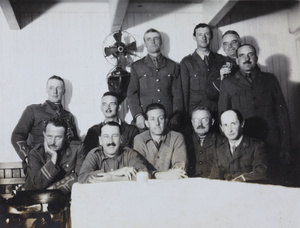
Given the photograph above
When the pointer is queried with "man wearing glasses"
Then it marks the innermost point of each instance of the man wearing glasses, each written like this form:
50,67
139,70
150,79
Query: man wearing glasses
203,143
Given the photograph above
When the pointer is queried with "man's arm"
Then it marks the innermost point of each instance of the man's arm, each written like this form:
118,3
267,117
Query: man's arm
21,132
88,167
41,174
177,90
185,82
259,164
133,92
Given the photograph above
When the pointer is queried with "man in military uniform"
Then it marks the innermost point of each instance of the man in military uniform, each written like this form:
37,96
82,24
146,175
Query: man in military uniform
258,96
154,78
195,68
54,164
110,107
230,42
29,130
202,145
240,158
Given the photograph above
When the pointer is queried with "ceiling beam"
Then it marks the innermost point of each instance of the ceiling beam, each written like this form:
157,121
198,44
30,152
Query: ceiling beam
10,15
117,10
214,11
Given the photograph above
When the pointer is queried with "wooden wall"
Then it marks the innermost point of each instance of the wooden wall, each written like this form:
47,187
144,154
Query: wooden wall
66,40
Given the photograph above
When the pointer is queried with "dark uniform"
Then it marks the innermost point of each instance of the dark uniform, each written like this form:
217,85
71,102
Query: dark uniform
262,105
42,173
201,157
194,79
249,159
92,137
150,84
29,130
214,79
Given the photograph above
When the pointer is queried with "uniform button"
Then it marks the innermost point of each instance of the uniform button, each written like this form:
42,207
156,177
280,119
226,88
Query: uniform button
145,75
169,75
157,80
233,172
195,75
67,165
158,90
200,162
73,171
201,152
156,70
157,157
158,101
62,182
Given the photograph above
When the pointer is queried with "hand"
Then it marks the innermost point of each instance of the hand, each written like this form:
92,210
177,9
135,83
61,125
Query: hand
70,134
128,172
52,153
239,178
285,156
140,122
225,70
171,174
99,177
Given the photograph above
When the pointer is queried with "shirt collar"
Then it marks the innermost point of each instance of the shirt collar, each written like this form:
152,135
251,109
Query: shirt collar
237,143
202,55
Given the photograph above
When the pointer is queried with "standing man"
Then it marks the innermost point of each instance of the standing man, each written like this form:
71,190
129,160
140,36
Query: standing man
195,70
54,164
258,96
111,161
240,158
154,79
29,130
164,150
202,145
230,42
110,107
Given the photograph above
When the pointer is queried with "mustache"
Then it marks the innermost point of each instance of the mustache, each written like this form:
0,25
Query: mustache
248,62
111,144
200,127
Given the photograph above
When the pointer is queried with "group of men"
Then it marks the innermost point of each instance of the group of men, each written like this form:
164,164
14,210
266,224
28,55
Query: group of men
207,88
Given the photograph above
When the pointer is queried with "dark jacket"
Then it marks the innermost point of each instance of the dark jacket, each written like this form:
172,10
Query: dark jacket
249,159
201,157
194,79
262,105
42,173
29,130
149,84
92,137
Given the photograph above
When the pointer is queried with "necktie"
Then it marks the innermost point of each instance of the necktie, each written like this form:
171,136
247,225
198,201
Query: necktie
155,62
58,108
201,141
233,149
206,61
249,77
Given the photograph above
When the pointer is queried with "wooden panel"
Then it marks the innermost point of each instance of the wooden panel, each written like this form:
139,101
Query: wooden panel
11,181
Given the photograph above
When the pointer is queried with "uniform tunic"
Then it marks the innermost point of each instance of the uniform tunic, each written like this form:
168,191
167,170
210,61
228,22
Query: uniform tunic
29,130
42,173
249,159
194,77
149,84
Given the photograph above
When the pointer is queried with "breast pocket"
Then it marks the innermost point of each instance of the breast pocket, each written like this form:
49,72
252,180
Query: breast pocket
239,99
145,81
195,80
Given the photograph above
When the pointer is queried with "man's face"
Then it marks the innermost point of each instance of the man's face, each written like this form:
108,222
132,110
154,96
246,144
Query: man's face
55,136
110,140
231,126
153,42
246,58
109,106
156,121
55,90
202,37
202,121
230,43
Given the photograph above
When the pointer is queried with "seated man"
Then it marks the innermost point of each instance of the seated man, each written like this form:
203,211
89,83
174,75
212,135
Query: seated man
240,158
111,161
164,150
55,164
110,107
203,143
